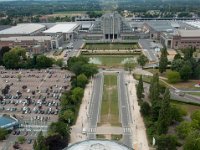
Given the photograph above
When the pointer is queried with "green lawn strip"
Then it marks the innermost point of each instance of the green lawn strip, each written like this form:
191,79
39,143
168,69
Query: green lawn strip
109,108
194,93
116,137
190,107
100,136
147,79
110,46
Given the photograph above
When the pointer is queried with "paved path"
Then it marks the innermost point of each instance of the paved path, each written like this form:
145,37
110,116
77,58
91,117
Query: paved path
148,49
125,110
174,95
109,130
95,103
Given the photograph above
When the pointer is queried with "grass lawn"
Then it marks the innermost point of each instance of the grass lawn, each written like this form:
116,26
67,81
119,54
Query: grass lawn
112,60
188,107
100,136
110,46
164,74
116,137
187,85
109,107
58,52
194,93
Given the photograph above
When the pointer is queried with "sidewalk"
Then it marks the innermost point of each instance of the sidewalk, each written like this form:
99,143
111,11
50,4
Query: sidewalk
138,128
82,120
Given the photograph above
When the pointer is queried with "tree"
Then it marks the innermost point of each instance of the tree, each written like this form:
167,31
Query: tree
89,70
5,90
3,134
154,88
184,129
81,65
68,116
60,128
142,60
145,109
3,50
192,142
56,142
188,53
185,72
196,116
59,62
140,89
81,80
166,142
43,62
154,91
177,112
177,56
39,143
197,72
64,101
164,114
129,66
77,94
15,58
19,76
177,64
94,14
173,76
21,139
11,60
163,61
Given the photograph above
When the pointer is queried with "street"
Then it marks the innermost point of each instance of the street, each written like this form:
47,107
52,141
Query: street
148,49
125,110
95,103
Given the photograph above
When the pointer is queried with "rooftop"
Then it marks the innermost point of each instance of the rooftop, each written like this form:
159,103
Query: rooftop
26,38
23,29
6,121
194,23
97,145
161,25
62,28
189,33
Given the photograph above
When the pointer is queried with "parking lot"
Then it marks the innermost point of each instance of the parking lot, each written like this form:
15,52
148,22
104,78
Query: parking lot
33,96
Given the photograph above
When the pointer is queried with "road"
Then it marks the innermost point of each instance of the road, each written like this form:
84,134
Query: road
125,110
148,49
75,51
95,105
176,96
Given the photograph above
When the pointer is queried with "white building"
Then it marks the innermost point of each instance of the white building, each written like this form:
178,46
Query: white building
27,29
62,32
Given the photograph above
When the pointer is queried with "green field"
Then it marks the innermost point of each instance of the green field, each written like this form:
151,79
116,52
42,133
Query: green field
110,46
109,107
188,107
111,60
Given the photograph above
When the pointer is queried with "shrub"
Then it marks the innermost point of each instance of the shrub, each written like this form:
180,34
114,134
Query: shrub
21,139
173,76
145,109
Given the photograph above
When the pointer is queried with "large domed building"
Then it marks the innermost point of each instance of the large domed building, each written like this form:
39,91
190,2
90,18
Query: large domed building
97,145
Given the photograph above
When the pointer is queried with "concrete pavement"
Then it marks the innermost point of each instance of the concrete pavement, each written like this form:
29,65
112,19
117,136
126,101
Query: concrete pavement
126,118
94,107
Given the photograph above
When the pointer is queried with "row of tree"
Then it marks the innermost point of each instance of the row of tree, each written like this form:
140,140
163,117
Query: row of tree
59,132
16,58
159,114
182,68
